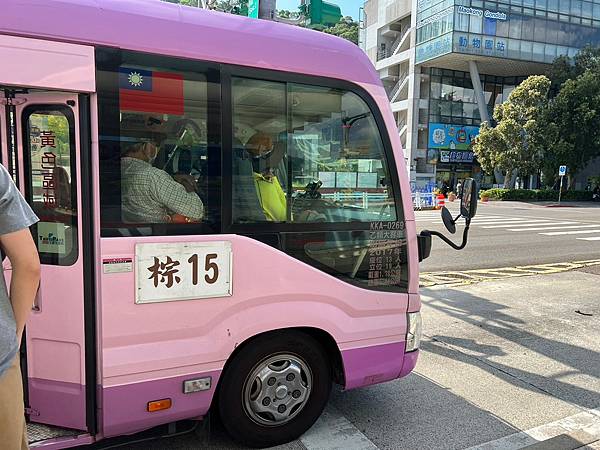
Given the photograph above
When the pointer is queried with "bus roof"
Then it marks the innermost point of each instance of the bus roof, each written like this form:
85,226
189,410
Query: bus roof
157,27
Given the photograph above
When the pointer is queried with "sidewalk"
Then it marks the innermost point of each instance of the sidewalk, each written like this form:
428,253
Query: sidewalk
523,349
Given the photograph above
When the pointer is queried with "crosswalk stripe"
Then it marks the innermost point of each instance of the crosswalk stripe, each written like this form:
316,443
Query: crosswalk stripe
499,222
553,228
595,238
531,224
559,233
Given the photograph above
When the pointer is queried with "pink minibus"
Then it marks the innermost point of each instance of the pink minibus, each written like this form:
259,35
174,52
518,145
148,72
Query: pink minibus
225,219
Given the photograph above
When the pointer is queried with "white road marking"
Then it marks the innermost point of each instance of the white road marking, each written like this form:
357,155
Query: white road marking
531,224
501,222
597,238
553,228
334,432
560,233
588,421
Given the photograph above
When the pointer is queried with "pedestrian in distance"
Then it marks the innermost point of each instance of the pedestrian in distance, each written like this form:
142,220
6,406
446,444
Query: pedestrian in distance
17,245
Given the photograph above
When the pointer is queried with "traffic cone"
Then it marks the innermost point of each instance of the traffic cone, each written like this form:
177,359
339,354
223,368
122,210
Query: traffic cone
441,201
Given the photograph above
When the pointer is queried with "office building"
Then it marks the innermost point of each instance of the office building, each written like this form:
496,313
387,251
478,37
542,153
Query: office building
447,63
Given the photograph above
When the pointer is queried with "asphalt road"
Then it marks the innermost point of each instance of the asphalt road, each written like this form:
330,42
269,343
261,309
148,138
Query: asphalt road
507,234
504,364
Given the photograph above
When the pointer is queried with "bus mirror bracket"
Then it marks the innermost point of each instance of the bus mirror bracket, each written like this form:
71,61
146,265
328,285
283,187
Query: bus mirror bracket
468,209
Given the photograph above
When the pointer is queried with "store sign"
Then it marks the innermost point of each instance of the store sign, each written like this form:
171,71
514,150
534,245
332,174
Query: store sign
451,156
477,44
495,15
451,137
432,49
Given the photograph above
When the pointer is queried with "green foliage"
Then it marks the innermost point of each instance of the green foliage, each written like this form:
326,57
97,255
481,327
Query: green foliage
574,125
285,14
520,138
535,195
346,28
565,68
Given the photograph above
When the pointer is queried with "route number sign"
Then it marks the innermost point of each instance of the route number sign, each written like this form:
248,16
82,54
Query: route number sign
562,171
173,271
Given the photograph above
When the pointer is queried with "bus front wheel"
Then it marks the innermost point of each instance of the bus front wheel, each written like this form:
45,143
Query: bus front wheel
274,389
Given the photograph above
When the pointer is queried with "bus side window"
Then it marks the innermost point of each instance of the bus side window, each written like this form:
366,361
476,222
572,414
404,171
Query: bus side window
50,161
159,138
320,159
335,143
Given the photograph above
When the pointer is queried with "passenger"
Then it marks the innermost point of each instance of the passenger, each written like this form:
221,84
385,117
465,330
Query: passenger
270,194
17,244
151,195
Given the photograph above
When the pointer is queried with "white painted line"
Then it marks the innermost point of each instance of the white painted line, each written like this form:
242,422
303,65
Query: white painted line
501,222
334,432
588,421
531,224
597,238
498,218
560,233
553,228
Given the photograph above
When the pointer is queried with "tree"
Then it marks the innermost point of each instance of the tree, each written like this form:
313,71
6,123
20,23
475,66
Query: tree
575,118
564,68
517,144
346,28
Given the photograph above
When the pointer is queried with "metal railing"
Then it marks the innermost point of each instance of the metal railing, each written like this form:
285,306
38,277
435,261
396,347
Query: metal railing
386,52
396,90
398,42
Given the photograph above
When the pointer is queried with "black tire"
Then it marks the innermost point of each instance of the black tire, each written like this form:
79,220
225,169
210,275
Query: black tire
231,406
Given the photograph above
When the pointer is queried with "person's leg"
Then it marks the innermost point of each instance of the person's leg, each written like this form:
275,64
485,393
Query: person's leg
12,415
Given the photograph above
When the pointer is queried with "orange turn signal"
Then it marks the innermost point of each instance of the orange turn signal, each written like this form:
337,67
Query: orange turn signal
159,405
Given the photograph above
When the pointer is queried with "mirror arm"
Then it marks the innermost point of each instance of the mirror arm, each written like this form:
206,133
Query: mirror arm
448,241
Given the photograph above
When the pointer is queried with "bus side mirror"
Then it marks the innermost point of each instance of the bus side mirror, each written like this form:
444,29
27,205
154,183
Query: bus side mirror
468,203
424,244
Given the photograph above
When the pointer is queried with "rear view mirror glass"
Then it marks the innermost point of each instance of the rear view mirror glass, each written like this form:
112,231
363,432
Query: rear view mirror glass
448,220
468,205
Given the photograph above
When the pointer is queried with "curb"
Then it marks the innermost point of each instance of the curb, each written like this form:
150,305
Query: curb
450,279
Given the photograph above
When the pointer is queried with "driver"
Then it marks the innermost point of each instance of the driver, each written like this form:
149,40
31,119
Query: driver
150,195
270,194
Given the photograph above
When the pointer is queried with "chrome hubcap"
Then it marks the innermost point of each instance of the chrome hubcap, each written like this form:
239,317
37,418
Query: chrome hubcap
277,389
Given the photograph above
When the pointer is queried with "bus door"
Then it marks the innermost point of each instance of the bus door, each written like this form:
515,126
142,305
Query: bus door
41,144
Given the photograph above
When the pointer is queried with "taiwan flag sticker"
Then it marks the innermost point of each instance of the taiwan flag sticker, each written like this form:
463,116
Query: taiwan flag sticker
148,91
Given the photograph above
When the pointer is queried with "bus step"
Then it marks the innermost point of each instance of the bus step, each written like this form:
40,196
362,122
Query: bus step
37,432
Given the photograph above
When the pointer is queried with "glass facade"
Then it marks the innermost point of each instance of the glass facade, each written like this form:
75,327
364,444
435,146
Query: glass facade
452,97
529,30
454,120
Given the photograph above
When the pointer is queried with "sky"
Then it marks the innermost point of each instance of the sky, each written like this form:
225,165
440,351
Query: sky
349,7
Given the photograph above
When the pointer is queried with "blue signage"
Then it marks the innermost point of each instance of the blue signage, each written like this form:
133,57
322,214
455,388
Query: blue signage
477,44
432,49
451,137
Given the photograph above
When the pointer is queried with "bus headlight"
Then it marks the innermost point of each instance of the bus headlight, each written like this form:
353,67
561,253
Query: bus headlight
414,330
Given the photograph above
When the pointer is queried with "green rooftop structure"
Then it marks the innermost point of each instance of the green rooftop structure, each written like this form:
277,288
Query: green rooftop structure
320,12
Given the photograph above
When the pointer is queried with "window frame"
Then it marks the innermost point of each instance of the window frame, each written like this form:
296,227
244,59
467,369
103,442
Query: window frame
228,226
48,258
109,60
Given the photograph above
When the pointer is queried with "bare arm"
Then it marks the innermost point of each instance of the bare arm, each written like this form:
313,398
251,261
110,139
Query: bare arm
23,256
